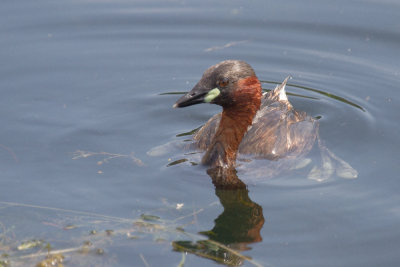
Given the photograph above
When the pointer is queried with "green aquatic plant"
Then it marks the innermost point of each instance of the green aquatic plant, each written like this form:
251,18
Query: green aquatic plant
321,92
317,91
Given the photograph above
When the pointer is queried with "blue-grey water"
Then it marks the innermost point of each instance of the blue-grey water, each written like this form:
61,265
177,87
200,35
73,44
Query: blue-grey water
79,78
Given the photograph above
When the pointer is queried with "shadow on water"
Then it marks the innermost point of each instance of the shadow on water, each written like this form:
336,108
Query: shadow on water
236,227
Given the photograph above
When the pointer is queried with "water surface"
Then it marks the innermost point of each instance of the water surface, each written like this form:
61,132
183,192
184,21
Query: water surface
88,76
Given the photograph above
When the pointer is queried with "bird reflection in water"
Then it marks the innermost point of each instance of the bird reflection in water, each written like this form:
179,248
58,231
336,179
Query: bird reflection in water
236,227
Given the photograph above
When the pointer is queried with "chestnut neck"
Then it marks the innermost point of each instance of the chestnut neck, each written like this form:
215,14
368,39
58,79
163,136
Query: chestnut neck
235,120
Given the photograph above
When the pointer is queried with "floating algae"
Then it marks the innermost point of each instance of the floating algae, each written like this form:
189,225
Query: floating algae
30,244
52,260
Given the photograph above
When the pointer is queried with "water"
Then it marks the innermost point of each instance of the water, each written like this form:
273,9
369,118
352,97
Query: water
87,76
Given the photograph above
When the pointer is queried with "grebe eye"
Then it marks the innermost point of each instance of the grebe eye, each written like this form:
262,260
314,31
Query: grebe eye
224,82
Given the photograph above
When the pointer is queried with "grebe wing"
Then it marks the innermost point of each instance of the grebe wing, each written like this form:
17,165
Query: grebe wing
276,95
205,134
279,131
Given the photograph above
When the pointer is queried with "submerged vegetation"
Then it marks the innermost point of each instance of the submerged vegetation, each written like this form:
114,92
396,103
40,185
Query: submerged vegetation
76,238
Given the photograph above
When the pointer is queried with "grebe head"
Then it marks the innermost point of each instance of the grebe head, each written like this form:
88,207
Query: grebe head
221,85
233,85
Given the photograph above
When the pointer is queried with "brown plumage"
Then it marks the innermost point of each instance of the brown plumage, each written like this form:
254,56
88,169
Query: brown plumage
265,126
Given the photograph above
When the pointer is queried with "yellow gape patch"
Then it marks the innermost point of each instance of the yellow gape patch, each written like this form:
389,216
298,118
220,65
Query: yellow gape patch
212,95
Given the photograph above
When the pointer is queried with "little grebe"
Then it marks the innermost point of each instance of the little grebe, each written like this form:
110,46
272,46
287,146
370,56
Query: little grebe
263,125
